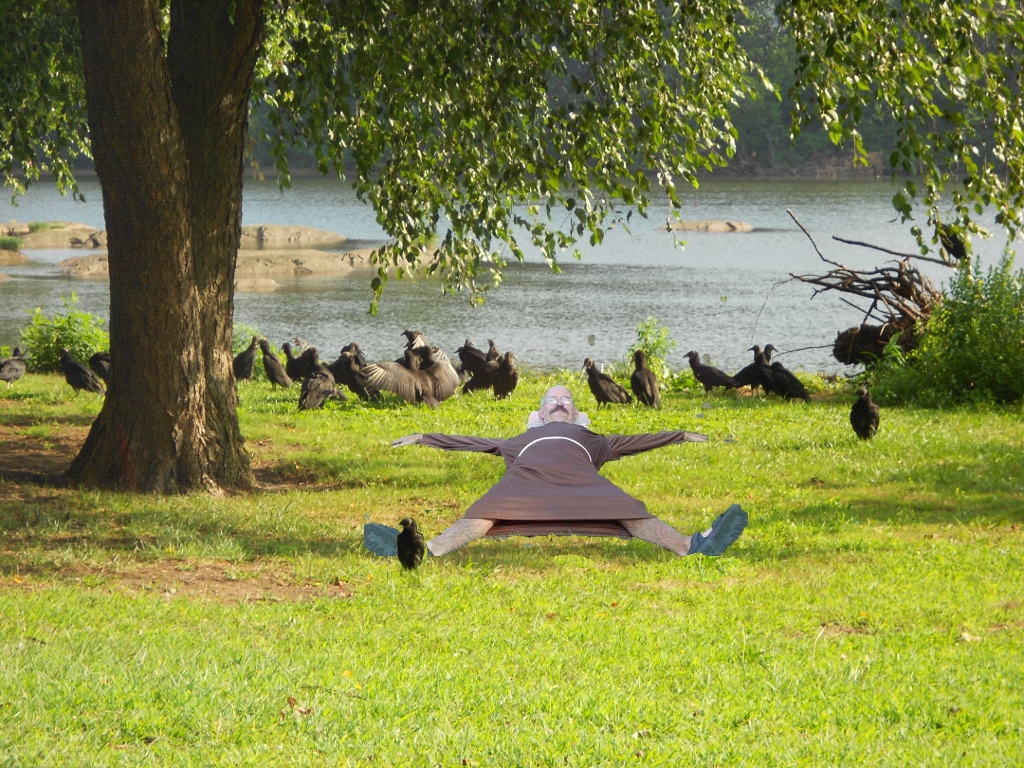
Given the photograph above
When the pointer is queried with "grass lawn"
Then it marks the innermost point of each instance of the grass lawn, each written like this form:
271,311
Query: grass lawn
872,614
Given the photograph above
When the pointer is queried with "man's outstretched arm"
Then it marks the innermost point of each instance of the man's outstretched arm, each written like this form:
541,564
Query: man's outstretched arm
627,445
452,442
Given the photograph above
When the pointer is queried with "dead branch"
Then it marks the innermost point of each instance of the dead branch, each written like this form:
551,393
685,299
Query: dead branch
900,298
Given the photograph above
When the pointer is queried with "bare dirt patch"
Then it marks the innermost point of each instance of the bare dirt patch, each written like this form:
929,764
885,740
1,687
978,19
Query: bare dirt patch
38,452
226,583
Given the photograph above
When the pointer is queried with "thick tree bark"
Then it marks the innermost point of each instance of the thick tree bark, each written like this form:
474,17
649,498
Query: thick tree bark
167,133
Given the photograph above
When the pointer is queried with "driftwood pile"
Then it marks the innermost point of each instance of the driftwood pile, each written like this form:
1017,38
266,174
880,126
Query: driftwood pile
901,300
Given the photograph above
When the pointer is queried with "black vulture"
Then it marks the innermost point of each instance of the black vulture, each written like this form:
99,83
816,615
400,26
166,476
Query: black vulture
318,386
471,359
411,546
305,364
708,375
643,382
294,365
507,377
786,384
752,376
437,365
13,368
405,379
346,371
245,361
764,371
605,388
952,241
100,364
415,339
492,351
78,375
357,354
276,372
864,415
483,378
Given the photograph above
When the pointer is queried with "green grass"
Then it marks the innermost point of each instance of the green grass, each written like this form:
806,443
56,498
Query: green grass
39,226
10,243
871,614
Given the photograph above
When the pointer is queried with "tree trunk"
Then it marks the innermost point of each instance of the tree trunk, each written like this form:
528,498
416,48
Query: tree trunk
168,133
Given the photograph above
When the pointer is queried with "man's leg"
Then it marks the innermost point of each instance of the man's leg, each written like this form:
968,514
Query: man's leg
660,533
713,542
459,534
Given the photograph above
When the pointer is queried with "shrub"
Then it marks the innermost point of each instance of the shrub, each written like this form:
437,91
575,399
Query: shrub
657,343
80,332
10,243
970,350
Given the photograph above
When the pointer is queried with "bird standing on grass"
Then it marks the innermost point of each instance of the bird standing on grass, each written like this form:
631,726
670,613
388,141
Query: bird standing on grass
276,372
78,375
318,386
708,375
411,546
604,388
245,361
643,383
13,368
787,384
100,364
864,415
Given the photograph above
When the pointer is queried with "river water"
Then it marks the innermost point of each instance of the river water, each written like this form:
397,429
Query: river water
711,293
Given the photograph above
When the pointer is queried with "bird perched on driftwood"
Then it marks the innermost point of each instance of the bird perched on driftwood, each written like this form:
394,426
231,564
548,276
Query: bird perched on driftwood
13,368
245,361
786,384
275,369
864,415
708,375
643,383
604,388
100,364
411,546
78,375
318,386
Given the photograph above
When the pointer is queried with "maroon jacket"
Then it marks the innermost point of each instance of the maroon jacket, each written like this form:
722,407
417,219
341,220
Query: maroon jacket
551,473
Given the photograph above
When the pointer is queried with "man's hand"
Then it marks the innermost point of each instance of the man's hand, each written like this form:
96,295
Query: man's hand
407,440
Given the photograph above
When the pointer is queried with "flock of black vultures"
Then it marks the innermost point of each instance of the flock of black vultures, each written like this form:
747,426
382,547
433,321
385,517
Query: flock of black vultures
425,374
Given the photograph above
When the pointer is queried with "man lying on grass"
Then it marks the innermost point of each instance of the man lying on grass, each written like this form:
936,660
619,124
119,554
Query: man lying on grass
551,485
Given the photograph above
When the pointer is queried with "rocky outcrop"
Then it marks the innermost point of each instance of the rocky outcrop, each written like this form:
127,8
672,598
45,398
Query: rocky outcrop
59,234
93,266
304,262
254,270
709,225
256,236
12,257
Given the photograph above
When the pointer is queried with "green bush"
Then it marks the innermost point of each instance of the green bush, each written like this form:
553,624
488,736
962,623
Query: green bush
657,343
970,350
80,332
10,243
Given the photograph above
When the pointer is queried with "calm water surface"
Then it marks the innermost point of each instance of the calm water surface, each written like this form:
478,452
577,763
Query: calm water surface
708,293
